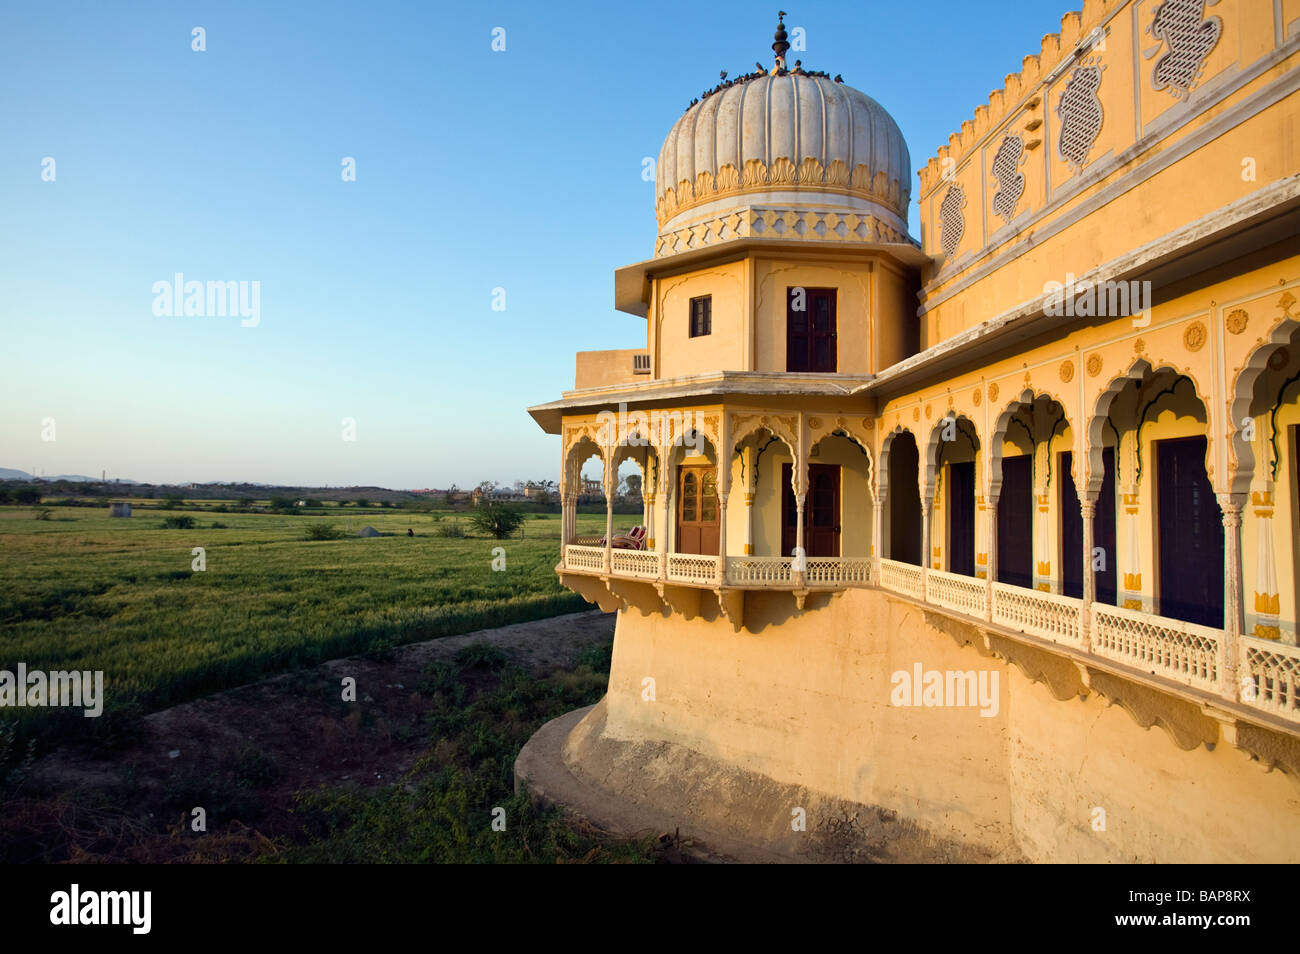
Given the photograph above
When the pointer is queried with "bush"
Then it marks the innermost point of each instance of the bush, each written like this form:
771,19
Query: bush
44,513
323,531
173,502
453,529
178,523
482,655
218,525
499,520
27,496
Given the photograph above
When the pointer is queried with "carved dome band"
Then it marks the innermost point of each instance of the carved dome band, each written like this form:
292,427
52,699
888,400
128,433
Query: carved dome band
759,177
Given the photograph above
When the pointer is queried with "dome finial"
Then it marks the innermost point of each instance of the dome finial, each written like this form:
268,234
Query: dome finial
781,44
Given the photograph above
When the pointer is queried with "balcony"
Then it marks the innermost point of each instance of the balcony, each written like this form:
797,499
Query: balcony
1267,673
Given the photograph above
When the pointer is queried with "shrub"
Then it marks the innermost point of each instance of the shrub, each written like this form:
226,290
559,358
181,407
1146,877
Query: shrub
482,655
323,531
178,523
27,496
173,501
44,513
453,529
218,525
499,520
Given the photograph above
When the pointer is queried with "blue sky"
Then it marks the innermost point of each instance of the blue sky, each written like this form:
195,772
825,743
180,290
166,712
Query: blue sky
475,170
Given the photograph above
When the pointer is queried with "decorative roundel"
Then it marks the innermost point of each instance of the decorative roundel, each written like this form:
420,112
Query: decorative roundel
977,396
928,411
1237,320
1094,365
1194,336
1139,346
1067,371
916,413
993,391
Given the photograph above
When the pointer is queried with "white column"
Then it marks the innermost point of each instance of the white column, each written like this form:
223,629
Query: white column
1231,505
992,537
925,545
722,537
877,536
1088,506
611,482
664,500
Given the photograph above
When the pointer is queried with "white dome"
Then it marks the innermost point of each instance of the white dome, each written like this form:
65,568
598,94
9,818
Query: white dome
790,142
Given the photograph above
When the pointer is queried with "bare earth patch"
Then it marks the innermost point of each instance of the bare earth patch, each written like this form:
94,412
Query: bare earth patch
243,754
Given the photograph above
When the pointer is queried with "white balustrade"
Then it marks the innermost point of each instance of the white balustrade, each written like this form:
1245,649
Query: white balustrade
902,578
1038,613
1185,652
837,571
643,564
760,571
1270,676
692,568
964,594
579,557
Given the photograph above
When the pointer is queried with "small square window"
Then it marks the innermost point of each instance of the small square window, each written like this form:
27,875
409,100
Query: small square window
701,316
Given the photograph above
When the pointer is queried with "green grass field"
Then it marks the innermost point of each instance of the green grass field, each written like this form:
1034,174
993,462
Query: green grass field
84,591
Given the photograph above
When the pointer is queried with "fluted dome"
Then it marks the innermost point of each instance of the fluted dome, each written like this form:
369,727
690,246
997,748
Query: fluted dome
755,150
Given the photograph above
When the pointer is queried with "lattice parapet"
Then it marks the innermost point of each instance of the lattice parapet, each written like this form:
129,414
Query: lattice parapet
1181,651
1047,615
838,571
902,578
639,563
964,594
689,568
578,557
1270,676
760,571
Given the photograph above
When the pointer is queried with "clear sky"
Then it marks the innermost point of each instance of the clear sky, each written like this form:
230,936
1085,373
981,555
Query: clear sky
475,170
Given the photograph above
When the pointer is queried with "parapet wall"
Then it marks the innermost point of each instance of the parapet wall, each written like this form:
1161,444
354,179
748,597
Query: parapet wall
803,704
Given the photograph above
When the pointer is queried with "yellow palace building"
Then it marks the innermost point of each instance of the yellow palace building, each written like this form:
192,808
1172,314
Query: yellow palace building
938,532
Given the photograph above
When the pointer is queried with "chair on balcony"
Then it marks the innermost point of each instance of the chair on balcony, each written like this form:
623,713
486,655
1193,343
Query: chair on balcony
634,539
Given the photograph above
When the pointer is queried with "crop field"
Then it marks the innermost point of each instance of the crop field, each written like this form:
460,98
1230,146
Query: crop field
80,590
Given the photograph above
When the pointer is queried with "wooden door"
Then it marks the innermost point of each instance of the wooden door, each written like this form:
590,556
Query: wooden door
1190,534
697,510
961,518
821,516
1016,522
811,329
